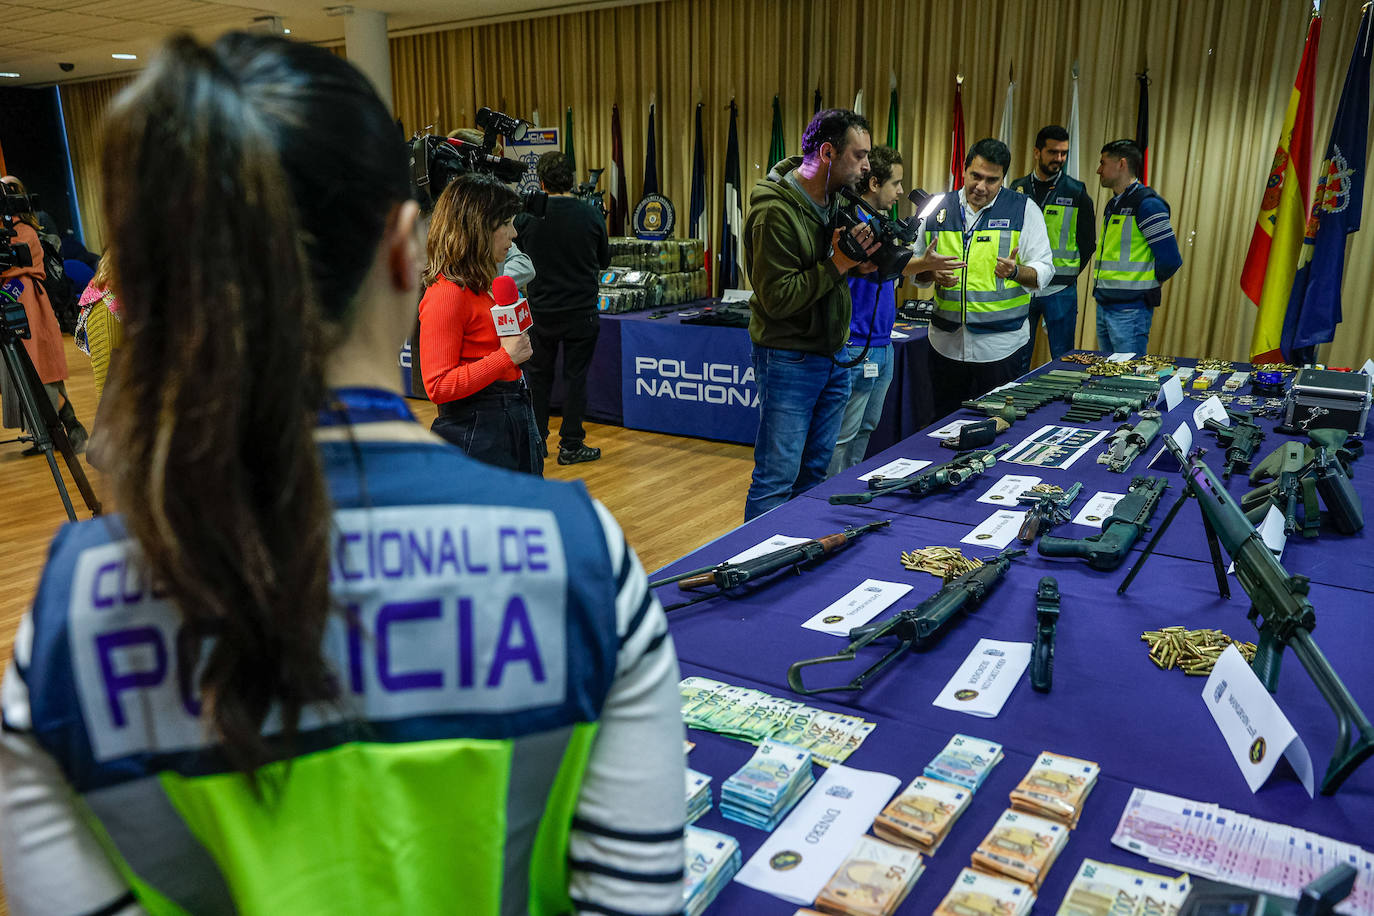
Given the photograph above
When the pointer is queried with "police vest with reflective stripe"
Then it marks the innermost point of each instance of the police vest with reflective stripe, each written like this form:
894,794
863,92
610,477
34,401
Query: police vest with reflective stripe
474,649
983,301
1125,261
1061,221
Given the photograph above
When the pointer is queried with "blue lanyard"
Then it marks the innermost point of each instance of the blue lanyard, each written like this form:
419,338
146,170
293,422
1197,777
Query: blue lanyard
351,406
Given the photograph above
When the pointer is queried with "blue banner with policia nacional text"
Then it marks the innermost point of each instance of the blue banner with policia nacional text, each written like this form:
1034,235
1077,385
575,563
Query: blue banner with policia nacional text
689,380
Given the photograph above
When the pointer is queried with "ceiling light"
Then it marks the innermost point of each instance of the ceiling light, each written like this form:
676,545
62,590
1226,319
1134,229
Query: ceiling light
125,56
286,31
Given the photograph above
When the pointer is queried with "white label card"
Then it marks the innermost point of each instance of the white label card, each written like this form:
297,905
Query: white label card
776,542
737,295
1121,357
997,530
1271,532
1210,409
1098,509
1368,367
1256,730
986,678
899,468
823,828
951,428
1005,491
1183,438
1173,393
867,600
898,335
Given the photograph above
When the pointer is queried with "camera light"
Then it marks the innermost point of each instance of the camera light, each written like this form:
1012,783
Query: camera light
12,76
125,56
930,207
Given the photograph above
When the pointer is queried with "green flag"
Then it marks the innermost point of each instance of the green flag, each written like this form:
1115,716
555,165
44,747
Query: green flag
777,148
892,126
568,141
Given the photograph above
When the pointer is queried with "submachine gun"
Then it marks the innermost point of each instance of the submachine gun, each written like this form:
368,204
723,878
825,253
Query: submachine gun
1280,609
723,577
914,627
951,474
1130,518
1241,439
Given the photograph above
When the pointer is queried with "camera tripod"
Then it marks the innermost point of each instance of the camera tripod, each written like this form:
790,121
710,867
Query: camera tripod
42,422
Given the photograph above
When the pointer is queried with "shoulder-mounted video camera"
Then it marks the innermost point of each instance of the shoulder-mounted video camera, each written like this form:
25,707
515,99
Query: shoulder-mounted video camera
894,236
13,203
587,192
436,161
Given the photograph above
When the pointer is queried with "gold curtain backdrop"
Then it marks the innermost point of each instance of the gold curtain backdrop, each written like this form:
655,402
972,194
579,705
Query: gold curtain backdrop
1221,72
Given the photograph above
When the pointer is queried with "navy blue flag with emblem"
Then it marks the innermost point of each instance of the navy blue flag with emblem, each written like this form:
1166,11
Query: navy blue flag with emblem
697,224
1314,306
651,157
731,230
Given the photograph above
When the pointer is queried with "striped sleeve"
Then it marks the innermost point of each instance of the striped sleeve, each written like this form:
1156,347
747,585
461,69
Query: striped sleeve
1153,221
626,850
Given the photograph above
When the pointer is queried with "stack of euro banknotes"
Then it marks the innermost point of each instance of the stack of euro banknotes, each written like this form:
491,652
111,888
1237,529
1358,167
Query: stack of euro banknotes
712,860
873,881
922,815
1100,889
761,792
752,715
977,894
698,794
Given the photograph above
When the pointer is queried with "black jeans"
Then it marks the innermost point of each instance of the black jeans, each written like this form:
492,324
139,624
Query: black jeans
495,426
953,381
577,332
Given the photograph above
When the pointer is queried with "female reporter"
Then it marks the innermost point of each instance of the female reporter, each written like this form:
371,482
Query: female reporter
470,372
323,662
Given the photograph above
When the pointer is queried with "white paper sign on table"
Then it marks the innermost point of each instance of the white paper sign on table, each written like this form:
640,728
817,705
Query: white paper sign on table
1183,438
1211,409
1121,357
997,530
1368,367
986,678
737,295
776,542
1256,730
1172,392
901,467
822,829
1271,532
898,335
867,600
1098,509
1005,491
950,429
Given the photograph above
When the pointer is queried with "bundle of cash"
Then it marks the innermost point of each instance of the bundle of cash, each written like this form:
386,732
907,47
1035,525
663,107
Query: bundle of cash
1021,846
965,761
1209,841
752,715
712,860
872,881
762,791
1056,787
1100,889
921,816
698,794
974,892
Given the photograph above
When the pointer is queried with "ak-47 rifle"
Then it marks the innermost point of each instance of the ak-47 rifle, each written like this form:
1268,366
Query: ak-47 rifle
1130,518
942,476
725,576
1241,439
1280,609
1046,510
916,626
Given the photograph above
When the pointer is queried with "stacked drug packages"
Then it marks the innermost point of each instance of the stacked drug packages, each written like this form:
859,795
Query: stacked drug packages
761,792
974,892
872,881
1056,788
1022,847
921,816
712,860
698,794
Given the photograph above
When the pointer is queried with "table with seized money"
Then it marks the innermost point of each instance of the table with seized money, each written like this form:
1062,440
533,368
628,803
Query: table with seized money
1110,704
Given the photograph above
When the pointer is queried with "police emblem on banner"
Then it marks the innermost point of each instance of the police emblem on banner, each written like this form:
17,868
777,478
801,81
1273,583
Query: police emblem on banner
654,217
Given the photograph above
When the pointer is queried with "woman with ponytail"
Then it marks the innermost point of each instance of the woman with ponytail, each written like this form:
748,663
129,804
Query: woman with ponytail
322,662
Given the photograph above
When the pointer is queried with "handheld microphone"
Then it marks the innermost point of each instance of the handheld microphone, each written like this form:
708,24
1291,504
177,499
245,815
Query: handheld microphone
511,313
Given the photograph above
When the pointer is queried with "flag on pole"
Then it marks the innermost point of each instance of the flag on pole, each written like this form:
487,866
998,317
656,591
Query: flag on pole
620,198
650,158
1272,261
1070,168
816,102
859,103
697,223
731,230
1004,134
777,147
956,154
1314,309
892,123
567,140
1142,123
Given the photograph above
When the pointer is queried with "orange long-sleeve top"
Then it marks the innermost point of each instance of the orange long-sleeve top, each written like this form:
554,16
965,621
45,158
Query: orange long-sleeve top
459,350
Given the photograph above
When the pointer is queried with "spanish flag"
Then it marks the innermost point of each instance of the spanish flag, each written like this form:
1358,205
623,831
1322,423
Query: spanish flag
1272,262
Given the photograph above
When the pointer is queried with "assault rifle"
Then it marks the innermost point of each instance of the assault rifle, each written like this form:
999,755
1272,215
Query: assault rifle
942,476
1241,439
725,576
1107,550
1046,510
914,627
1279,608
1320,469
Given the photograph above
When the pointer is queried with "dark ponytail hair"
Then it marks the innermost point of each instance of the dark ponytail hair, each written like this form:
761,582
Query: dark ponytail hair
247,185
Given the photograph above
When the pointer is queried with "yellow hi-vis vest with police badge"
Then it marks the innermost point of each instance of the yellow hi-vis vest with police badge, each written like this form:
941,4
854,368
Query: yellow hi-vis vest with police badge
1125,261
982,301
1061,222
